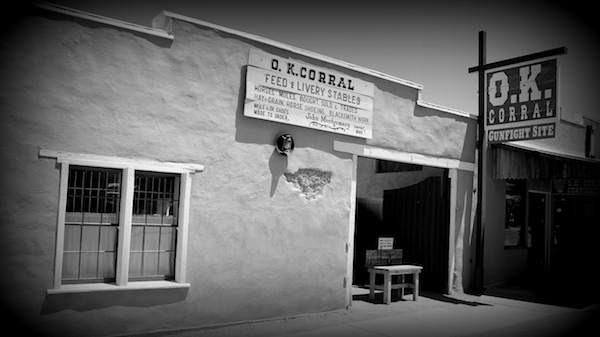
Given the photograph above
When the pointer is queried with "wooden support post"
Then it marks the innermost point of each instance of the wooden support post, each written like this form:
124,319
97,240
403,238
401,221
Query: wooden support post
416,286
387,288
402,288
372,286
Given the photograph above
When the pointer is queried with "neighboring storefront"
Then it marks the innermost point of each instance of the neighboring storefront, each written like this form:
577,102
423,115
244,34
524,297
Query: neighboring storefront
542,185
190,175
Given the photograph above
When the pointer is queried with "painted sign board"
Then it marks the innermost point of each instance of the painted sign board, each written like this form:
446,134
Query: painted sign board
576,186
385,243
521,103
292,92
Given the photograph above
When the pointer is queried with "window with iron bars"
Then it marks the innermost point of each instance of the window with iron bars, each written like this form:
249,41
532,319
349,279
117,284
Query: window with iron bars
92,222
154,226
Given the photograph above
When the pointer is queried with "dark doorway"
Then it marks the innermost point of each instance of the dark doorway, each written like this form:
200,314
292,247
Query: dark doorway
417,217
369,225
419,214
537,255
575,237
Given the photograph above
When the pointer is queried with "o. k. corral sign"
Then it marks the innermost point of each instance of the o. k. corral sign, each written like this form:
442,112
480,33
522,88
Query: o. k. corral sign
521,103
291,92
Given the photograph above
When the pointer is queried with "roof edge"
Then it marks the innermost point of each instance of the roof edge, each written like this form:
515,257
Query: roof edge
102,19
445,109
159,22
161,28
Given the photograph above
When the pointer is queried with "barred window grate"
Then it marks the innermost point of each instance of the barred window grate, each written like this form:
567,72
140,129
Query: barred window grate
154,226
91,225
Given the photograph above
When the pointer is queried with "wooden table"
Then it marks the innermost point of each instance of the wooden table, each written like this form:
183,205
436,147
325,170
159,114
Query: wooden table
388,272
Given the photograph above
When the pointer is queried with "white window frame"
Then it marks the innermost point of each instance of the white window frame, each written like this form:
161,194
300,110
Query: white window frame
129,167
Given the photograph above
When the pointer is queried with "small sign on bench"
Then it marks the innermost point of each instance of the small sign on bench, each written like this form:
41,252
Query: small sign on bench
383,257
385,243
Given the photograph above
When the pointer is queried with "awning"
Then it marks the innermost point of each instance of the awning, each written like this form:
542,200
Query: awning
516,163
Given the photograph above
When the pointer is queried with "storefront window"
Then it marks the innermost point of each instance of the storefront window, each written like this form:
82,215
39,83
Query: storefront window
515,226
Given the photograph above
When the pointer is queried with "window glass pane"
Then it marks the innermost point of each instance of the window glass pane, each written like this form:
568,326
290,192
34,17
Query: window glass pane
88,265
108,238
152,236
166,262
137,238
514,227
154,221
135,264
72,238
90,235
106,264
70,270
91,222
150,264
167,238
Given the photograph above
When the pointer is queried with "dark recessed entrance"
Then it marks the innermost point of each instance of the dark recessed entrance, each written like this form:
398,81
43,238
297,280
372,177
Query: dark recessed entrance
412,206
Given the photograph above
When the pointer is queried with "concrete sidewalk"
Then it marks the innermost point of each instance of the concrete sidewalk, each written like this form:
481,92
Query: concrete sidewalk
432,315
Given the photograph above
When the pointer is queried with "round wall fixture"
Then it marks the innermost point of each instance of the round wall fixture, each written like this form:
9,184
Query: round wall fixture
284,144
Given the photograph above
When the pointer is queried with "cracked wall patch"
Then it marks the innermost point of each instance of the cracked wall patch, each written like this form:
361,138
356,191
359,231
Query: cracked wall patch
309,181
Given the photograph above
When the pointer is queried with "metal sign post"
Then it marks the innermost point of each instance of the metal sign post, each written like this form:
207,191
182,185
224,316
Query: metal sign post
482,144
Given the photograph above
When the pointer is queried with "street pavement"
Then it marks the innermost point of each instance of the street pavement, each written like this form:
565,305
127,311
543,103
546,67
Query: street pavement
432,315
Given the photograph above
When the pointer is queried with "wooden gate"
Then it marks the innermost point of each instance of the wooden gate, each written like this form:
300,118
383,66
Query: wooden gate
419,217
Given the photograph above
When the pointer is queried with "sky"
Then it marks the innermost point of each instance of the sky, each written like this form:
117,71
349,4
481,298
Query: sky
432,43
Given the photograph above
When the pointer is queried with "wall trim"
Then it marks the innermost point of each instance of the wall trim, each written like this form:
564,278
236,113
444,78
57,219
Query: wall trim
121,162
400,156
97,287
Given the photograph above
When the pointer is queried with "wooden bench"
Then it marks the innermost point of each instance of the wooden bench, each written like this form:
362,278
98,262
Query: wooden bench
389,263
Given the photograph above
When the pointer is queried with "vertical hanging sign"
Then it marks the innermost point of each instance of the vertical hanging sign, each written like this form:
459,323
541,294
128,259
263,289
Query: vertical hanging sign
292,92
521,103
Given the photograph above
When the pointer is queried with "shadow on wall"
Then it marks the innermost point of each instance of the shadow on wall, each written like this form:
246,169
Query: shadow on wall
96,300
277,165
464,128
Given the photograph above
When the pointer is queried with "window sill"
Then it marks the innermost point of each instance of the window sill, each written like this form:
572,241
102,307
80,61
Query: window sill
99,287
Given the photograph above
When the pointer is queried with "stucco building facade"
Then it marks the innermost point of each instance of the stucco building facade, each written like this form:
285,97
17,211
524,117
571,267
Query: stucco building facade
142,194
